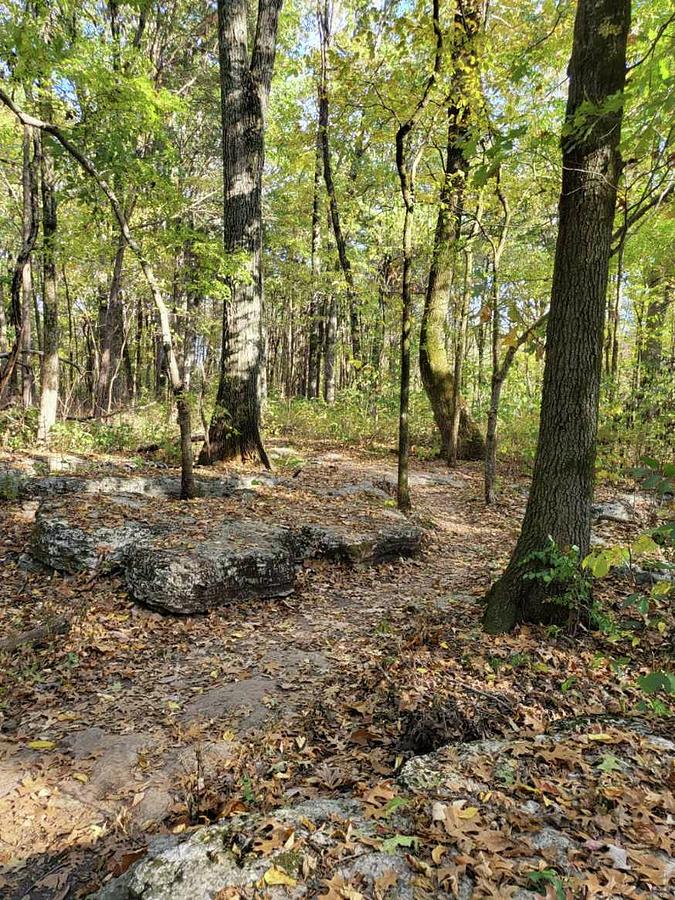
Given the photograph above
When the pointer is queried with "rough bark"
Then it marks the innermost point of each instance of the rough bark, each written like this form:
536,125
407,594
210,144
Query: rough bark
315,307
330,337
245,85
559,502
49,380
435,369
324,18
110,386
21,287
407,160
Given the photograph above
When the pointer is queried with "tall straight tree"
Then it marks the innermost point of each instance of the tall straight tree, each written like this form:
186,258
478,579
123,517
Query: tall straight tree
245,81
461,438
325,9
559,503
49,380
407,159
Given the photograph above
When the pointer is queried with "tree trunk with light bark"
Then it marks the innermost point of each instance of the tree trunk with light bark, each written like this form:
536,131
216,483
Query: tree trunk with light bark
245,80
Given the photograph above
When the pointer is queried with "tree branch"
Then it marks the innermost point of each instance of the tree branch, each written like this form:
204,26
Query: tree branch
146,268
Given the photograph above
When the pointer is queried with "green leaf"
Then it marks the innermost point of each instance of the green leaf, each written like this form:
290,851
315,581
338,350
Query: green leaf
391,844
644,544
609,763
657,681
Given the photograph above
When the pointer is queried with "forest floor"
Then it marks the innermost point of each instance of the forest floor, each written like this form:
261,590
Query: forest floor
134,723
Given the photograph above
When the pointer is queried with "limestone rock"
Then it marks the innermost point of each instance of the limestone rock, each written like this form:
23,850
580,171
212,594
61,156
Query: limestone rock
242,558
161,486
360,544
204,864
62,542
445,771
617,510
195,558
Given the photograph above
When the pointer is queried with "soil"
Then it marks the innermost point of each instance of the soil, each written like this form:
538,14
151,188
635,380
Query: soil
135,724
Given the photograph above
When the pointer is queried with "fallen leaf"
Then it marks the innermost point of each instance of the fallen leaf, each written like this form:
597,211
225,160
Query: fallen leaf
42,745
275,875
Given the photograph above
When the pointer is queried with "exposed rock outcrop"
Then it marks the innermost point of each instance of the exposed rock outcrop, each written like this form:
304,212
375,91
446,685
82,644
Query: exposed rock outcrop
187,559
229,856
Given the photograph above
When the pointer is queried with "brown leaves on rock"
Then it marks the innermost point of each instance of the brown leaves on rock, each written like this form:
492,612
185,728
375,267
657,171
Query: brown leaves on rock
361,669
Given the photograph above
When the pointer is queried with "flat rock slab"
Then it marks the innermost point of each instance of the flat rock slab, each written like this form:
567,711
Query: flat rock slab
239,559
15,484
117,772
361,543
72,538
190,558
205,866
620,509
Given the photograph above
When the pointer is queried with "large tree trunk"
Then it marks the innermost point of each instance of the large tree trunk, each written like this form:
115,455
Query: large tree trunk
407,160
435,369
245,85
49,381
559,503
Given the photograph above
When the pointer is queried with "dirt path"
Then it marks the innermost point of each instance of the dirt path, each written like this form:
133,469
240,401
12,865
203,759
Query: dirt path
145,723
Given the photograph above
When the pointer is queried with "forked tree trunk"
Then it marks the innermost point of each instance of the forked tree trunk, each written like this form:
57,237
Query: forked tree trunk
559,503
435,369
245,85
49,381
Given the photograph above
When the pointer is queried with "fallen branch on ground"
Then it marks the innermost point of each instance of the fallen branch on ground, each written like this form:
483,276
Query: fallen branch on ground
36,636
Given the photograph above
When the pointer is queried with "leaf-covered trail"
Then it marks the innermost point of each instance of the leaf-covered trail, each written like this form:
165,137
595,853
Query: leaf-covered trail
135,723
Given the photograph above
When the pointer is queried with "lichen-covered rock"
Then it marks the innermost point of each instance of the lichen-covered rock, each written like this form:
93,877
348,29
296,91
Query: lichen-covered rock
241,559
618,510
64,543
487,783
189,558
362,544
446,771
231,855
160,486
